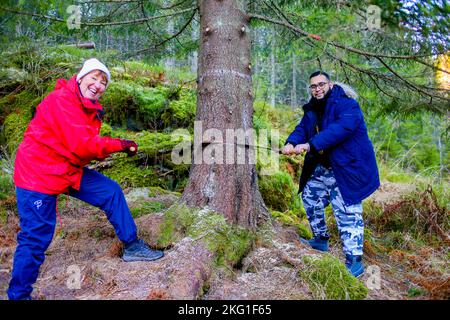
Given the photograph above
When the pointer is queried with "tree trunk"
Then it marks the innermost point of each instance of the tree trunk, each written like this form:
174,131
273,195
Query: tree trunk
84,45
224,101
193,57
272,72
169,62
435,121
294,81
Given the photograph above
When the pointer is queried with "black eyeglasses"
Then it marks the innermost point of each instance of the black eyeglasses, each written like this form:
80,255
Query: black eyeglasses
320,85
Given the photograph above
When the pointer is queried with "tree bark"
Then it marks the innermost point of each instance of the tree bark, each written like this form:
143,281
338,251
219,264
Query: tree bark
294,81
169,62
193,57
84,45
272,71
224,101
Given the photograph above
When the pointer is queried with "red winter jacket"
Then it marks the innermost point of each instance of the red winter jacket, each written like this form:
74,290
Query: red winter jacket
61,139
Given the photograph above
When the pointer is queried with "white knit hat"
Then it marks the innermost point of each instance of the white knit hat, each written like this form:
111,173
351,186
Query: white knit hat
91,65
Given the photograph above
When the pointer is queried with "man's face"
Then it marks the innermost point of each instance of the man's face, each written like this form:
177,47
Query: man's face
93,84
319,86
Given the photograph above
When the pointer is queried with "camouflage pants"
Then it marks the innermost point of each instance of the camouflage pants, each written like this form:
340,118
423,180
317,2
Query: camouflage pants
322,189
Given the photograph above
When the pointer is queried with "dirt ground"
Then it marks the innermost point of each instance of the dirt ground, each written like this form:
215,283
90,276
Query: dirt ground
83,262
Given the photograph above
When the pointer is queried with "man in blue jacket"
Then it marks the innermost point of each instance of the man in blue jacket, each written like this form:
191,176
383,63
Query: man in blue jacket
340,166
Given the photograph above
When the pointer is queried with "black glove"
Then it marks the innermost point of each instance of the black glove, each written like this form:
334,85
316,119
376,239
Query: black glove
129,147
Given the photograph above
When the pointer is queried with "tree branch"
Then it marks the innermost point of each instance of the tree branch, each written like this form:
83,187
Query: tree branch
171,37
94,24
309,36
350,49
406,81
132,1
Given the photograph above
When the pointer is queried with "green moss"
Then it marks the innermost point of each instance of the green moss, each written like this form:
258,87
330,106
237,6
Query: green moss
134,106
176,221
106,130
181,112
158,191
14,128
155,142
153,166
265,234
278,191
296,219
141,73
128,174
147,208
328,278
228,243
74,56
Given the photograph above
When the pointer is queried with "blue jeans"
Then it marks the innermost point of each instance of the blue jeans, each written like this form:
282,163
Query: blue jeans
37,212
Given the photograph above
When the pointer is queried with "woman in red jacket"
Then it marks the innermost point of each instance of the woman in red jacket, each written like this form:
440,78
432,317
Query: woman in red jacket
61,139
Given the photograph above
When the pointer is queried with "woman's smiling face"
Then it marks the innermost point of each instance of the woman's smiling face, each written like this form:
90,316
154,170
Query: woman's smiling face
93,84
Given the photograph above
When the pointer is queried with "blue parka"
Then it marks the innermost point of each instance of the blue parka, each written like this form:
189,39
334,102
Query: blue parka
344,137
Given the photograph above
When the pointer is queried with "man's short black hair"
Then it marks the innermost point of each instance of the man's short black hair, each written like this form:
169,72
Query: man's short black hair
318,73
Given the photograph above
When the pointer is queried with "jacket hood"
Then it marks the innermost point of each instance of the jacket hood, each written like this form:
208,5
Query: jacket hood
72,86
348,91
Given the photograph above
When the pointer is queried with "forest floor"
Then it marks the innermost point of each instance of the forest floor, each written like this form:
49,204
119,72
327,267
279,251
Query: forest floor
83,262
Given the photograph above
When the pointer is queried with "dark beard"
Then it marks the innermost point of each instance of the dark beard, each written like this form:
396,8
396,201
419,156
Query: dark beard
322,101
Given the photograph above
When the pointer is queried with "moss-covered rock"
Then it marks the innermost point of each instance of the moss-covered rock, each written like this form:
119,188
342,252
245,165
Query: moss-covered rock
155,142
13,129
278,191
181,112
328,278
152,167
147,207
295,219
229,243
139,72
128,173
134,106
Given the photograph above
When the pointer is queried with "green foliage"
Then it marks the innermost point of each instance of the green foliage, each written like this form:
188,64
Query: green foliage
398,177
7,189
416,292
423,215
282,118
415,144
6,185
328,278
228,242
